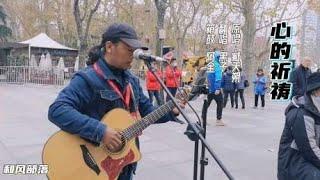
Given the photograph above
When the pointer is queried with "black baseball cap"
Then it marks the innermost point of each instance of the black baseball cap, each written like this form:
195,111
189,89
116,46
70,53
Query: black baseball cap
123,32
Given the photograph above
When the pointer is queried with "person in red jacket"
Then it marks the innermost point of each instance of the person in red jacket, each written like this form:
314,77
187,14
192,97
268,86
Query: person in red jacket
153,86
172,76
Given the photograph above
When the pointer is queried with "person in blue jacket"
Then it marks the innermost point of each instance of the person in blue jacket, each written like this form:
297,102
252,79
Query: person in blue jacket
260,88
103,86
214,76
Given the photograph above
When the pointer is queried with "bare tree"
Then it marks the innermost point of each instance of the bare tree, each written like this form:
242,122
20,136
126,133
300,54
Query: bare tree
257,17
5,31
83,25
276,14
182,20
314,4
38,19
210,12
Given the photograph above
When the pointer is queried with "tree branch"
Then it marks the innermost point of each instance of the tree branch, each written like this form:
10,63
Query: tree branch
90,17
258,6
195,11
123,8
286,19
85,11
282,15
76,13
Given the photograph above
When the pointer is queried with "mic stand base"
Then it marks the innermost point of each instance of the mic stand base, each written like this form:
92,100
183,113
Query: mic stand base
202,127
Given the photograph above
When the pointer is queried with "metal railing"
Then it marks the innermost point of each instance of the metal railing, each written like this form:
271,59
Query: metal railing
36,75
33,75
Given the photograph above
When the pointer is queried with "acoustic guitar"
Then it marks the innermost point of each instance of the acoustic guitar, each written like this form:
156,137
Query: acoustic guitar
70,157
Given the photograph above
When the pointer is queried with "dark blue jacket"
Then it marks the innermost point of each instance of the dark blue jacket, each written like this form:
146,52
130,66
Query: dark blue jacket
298,78
81,105
227,83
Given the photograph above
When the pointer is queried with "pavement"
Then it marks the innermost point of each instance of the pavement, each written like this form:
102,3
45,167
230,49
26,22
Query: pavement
247,145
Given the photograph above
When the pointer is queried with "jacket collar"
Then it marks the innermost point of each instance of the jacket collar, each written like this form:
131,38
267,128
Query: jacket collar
309,106
303,68
108,74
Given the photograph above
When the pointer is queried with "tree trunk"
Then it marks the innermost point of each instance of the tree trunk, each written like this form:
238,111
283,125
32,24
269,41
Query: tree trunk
161,10
83,26
248,30
83,52
61,29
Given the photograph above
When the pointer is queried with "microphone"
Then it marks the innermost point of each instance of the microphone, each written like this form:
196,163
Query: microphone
139,54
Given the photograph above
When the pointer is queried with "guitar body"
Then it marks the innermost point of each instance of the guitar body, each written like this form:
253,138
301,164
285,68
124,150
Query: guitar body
71,157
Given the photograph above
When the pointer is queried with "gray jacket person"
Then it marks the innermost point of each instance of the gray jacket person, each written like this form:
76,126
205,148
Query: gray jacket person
299,152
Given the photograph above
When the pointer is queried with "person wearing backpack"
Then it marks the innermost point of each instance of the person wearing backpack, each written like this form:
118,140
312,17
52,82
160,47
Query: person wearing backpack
299,151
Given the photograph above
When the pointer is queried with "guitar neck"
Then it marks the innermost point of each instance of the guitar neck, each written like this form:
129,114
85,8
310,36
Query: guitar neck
135,129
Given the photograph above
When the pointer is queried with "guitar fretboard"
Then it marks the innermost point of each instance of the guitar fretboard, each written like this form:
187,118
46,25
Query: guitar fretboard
135,129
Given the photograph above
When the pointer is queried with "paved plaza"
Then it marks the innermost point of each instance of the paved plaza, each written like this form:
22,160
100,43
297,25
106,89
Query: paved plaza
247,146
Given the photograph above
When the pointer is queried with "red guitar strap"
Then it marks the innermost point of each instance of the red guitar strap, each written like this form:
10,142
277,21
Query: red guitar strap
125,96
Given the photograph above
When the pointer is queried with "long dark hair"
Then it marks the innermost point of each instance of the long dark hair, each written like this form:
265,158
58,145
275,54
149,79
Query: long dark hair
94,55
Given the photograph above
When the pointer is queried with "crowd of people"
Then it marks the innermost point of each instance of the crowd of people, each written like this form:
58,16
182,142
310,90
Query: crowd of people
299,151
106,83
221,85
172,77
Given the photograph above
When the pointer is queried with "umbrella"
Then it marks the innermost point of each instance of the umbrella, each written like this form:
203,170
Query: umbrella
76,64
60,69
61,64
48,64
33,62
42,62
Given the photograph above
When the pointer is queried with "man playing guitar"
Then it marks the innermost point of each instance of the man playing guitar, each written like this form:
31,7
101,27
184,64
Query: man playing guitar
104,85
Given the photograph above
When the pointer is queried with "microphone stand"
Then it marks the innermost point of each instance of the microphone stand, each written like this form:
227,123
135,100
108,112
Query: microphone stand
191,135
203,159
198,134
